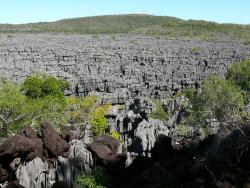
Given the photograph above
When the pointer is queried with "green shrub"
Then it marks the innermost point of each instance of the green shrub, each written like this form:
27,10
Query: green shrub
38,99
190,93
79,109
46,97
247,42
99,121
88,181
115,134
85,109
159,112
14,108
40,86
239,74
218,99
96,179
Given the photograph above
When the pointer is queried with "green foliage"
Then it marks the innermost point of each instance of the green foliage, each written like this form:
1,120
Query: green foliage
88,181
48,108
14,108
39,98
85,109
97,179
79,109
40,86
99,121
190,93
46,97
115,134
196,49
159,112
218,99
135,24
240,75
247,41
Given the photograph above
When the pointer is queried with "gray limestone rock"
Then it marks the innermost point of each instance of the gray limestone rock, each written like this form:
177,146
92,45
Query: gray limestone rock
36,174
117,69
145,135
79,160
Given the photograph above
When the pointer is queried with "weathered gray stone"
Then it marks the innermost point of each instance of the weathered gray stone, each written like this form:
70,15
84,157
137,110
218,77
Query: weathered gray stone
145,135
118,69
35,174
79,161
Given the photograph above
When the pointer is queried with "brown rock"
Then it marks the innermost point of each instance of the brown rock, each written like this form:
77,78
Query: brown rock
14,184
28,132
66,133
3,174
53,141
107,141
18,145
105,149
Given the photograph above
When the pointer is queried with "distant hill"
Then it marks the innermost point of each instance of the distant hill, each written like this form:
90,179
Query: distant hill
135,24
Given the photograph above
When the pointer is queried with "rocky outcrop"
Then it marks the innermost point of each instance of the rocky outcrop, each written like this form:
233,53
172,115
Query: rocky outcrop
17,145
79,160
53,142
35,174
31,160
221,160
122,68
105,148
145,136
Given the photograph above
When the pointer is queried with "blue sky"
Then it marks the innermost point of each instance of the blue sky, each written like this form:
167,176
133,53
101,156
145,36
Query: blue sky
222,11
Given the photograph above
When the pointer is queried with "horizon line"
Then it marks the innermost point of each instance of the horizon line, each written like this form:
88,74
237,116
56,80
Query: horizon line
142,14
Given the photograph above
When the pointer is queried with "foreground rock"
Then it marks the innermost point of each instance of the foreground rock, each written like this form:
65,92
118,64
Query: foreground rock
25,145
36,174
53,141
105,148
29,159
145,136
79,161
221,160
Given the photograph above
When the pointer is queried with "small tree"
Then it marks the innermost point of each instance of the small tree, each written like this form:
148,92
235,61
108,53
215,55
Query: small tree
85,110
240,74
159,112
98,120
46,97
79,109
14,108
218,99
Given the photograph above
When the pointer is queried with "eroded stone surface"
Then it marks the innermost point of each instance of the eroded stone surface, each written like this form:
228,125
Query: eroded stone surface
121,68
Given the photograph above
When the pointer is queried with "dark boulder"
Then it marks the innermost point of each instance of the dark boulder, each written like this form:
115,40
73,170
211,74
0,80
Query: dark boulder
14,184
105,149
130,175
53,141
28,132
104,146
66,133
20,146
60,185
3,174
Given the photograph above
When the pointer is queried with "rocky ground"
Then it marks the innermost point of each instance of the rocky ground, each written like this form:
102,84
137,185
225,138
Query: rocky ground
52,160
118,67
125,71
147,154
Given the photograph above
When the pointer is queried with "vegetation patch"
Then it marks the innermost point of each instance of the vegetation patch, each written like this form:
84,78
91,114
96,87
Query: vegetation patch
136,24
159,112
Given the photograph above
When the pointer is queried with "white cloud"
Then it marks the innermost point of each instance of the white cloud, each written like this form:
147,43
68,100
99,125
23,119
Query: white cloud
83,8
146,12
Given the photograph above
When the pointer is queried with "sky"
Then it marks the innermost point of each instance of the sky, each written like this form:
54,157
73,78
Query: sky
26,11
